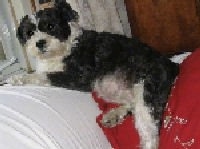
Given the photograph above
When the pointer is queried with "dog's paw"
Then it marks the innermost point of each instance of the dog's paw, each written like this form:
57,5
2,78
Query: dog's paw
16,80
114,117
28,79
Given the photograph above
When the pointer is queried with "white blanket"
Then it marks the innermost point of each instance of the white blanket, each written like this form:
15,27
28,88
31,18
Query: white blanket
48,118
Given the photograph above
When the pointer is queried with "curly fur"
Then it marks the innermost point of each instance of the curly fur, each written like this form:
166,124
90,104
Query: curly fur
98,54
120,69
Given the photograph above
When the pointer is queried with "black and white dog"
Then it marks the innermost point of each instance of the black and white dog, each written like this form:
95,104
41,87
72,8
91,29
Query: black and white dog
118,68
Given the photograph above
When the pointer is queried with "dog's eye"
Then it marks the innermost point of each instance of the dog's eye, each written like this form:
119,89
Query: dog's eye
30,33
50,26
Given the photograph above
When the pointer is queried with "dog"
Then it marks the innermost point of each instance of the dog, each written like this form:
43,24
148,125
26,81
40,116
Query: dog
120,69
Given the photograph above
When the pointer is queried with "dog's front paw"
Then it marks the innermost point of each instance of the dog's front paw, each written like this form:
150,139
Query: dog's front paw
114,117
16,80
28,79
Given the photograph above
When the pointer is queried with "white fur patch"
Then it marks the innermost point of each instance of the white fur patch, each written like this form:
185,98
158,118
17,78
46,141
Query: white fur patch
53,47
144,122
113,88
49,65
29,79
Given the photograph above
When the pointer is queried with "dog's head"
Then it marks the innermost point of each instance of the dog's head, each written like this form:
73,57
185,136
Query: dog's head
46,34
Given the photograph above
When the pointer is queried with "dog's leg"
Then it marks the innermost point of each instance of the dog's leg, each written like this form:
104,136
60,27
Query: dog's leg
113,88
28,79
144,121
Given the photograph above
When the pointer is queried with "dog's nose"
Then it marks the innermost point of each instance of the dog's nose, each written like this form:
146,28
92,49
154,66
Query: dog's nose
41,44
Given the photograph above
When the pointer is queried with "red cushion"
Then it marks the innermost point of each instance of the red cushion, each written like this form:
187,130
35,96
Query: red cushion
181,127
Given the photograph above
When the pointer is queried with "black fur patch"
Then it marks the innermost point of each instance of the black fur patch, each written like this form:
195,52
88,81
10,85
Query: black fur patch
53,24
54,21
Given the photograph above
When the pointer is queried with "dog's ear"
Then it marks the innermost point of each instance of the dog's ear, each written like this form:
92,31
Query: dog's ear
66,11
25,29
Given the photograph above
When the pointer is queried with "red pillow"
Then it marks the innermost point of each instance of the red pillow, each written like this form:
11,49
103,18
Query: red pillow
181,126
